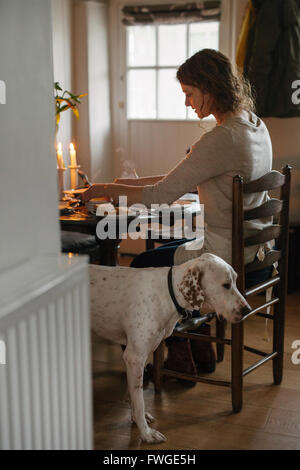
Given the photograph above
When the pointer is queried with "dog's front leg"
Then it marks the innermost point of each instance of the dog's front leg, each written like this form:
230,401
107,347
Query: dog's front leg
135,363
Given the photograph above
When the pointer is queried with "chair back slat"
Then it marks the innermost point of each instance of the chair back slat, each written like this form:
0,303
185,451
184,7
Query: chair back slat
265,235
283,241
238,232
269,208
274,207
270,258
272,180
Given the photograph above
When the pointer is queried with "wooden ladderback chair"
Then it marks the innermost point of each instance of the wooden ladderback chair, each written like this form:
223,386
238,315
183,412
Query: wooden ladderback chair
278,231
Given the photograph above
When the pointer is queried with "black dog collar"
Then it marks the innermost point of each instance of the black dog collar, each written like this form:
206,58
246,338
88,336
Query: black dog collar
184,313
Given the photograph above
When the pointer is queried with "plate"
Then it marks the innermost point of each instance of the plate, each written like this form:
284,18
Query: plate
74,192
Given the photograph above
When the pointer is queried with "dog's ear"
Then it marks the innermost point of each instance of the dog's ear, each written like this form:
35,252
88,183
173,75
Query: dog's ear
190,287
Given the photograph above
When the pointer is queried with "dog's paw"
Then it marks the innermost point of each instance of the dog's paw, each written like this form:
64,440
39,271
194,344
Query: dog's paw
153,437
149,417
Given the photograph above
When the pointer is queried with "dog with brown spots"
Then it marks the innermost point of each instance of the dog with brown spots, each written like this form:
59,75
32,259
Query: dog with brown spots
133,307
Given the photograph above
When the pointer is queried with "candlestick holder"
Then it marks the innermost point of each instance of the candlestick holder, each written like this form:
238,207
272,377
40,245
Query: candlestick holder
61,182
73,176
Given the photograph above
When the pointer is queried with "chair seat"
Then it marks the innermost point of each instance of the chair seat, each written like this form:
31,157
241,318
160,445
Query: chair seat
194,323
76,242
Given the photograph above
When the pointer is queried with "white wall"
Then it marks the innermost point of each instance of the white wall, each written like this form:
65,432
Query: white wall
62,68
80,52
156,146
91,72
28,185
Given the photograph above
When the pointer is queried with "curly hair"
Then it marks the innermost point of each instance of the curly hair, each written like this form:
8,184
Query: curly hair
212,72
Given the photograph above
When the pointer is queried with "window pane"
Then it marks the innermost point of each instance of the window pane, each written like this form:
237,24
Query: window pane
141,101
171,44
170,97
203,35
141,45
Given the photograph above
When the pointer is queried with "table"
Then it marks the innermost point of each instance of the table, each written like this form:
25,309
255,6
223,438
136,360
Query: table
84,222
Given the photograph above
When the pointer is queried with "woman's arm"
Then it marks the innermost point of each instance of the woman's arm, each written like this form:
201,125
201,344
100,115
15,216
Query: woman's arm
144,180
132,188
210,157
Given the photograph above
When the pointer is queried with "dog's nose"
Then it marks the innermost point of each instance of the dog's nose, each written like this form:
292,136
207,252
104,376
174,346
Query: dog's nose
245,311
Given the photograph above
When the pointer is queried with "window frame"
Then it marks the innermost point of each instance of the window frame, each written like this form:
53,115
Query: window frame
157,67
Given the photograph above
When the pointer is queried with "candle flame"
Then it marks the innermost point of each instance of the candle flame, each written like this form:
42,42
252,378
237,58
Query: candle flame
59,147
71,146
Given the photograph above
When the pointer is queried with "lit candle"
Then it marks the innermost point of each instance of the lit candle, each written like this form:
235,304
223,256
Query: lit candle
73,161
73,167
59,156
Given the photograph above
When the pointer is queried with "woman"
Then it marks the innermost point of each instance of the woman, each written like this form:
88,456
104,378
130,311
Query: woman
238,144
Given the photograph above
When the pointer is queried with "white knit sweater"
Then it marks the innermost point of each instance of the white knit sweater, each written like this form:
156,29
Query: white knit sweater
241,145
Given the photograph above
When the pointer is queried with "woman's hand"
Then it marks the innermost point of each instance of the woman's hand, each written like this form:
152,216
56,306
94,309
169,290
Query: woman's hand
96,190
113,192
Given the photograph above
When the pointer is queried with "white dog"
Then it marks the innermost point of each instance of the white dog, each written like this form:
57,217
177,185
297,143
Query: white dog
133,307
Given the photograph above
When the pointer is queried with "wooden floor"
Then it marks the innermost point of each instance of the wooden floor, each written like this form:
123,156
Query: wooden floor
201,417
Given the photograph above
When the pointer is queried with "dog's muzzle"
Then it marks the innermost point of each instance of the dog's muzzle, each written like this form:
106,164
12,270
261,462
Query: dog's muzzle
245,311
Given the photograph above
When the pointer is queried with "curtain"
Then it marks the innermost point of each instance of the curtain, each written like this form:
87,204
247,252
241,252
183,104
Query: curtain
172,13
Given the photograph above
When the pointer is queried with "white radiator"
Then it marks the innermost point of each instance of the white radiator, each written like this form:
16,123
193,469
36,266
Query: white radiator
45,385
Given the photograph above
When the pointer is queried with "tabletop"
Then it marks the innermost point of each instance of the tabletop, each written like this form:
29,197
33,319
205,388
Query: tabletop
78,219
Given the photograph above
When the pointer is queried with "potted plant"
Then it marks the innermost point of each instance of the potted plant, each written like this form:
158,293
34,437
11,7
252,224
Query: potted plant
65,100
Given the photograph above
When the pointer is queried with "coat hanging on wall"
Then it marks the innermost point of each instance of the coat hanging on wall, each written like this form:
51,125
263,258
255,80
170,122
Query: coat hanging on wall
269,54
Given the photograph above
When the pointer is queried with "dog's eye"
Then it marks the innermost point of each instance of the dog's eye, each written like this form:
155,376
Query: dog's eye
227,285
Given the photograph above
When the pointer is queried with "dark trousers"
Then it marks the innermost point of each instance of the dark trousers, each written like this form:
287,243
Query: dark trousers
158,257
164,256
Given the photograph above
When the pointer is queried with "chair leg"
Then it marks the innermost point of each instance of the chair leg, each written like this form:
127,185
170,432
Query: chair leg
158,362
278,342
220,334
237,336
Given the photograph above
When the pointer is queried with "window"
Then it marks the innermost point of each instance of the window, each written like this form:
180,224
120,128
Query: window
154,52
